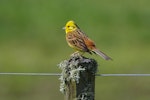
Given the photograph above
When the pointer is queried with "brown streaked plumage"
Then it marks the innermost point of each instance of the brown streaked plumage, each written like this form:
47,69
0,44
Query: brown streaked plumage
80,41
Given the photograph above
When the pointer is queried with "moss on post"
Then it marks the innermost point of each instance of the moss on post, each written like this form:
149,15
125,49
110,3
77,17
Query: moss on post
78,78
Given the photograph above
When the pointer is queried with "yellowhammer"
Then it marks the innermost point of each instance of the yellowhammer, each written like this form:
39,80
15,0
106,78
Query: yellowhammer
80,41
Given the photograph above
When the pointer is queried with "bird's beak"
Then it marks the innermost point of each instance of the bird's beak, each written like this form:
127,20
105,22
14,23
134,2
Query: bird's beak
64,28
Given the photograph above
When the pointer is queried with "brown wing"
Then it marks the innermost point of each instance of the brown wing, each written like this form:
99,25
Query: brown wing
75,40
88,42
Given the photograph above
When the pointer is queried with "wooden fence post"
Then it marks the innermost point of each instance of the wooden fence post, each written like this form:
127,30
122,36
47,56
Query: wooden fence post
78,78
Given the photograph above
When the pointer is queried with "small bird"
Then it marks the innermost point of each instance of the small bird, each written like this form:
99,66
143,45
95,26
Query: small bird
79,41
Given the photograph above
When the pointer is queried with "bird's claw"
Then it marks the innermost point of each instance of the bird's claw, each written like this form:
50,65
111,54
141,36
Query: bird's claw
75,54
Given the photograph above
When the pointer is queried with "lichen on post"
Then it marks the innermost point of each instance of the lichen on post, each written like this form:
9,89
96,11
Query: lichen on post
78,78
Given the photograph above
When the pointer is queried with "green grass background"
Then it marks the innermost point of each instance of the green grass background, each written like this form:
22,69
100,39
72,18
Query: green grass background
32,40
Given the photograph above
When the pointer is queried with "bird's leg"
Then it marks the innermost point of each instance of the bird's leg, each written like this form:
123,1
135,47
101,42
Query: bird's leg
75,53
82,53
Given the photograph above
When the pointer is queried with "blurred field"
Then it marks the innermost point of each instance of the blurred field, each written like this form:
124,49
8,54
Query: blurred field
32,40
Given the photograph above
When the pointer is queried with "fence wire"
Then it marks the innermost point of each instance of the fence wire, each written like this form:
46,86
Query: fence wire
58,74
31,74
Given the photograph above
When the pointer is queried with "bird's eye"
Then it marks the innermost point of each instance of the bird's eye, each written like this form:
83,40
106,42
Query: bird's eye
68,26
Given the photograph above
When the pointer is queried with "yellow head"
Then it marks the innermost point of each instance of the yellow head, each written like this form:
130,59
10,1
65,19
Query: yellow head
70,26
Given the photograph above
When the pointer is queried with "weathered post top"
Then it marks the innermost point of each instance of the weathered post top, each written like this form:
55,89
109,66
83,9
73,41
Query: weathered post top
78,78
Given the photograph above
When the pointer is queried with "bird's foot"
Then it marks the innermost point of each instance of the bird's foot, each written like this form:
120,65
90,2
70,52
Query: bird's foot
75,54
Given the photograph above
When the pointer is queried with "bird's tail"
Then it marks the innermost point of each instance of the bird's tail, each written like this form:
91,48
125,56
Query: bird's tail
100,53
